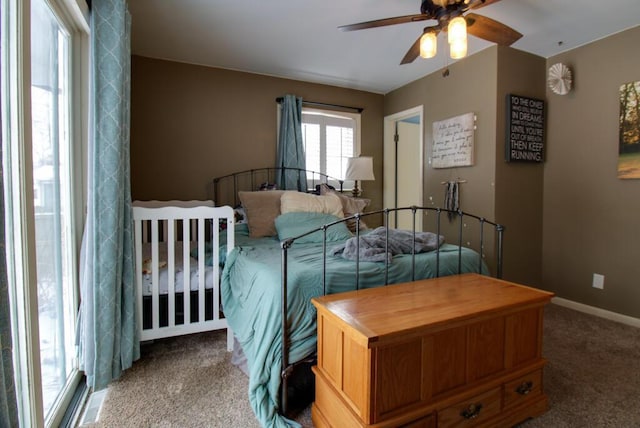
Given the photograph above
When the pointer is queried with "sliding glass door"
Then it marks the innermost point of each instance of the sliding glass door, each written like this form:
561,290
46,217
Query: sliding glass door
44,118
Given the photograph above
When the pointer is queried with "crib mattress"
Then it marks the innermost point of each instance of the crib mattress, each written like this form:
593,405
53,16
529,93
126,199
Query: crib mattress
241,238
181,276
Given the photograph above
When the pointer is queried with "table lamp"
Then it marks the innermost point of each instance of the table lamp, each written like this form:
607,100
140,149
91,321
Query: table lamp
360,168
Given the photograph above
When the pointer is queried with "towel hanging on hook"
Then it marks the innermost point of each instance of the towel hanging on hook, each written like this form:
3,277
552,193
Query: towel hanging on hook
452,198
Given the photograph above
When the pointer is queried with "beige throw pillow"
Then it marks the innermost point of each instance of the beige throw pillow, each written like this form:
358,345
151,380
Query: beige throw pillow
295,202
350,206
261,208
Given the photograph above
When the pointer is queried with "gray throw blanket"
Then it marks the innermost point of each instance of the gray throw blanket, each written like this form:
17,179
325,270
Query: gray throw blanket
373,244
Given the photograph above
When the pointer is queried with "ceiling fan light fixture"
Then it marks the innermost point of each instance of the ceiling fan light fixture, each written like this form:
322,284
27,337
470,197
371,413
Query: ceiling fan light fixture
428,45
457,30
458,49
457,36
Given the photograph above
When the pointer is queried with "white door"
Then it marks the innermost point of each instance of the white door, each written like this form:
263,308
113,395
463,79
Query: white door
403,165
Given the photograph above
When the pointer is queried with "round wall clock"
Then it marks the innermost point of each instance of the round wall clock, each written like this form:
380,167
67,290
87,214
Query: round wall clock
559,79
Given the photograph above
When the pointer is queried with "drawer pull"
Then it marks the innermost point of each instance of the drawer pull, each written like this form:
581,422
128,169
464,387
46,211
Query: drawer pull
471,412
525,388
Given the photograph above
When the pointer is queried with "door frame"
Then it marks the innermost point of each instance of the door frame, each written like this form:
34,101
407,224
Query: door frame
389,125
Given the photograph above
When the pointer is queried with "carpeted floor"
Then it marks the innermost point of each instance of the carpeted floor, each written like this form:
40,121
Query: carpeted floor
592,380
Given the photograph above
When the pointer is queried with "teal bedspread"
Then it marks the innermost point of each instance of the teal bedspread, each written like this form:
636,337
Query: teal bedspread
251,296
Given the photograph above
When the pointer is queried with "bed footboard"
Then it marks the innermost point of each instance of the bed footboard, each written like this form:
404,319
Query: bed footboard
177,259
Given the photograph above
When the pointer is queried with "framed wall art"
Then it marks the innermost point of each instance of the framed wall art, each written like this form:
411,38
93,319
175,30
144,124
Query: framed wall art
525,129
629,131
453,141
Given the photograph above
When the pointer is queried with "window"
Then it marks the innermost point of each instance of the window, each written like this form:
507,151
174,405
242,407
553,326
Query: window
43,94
330,138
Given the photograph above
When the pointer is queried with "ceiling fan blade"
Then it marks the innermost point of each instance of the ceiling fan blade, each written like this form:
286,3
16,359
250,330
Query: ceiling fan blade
414,50
386,21
491,30
412,53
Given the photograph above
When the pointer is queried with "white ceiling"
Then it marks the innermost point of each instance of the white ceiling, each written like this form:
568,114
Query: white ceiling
299,39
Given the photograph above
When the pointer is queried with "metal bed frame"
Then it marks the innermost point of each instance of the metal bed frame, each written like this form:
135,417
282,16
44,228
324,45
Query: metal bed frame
258,175
252,178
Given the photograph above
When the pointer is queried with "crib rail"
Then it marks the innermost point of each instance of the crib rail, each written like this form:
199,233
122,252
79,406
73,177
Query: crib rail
462,218
170,228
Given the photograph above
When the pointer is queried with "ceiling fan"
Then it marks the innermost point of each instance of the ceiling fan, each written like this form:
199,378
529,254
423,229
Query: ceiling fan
446,12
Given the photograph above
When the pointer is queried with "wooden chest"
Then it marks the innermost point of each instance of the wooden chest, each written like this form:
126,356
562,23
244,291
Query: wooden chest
462,350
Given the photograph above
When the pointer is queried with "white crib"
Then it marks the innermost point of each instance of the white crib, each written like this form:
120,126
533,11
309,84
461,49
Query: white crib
177,254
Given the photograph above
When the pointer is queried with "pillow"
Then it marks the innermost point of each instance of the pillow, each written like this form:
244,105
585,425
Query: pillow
261,209
292,202
350,206
290,225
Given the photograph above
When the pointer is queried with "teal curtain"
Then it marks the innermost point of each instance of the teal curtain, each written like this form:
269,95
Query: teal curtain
109,338
290,146
8,403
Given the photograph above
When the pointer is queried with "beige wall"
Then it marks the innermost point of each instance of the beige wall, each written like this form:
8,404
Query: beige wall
519,185
470,87
590,216
506,193
191,123
586,216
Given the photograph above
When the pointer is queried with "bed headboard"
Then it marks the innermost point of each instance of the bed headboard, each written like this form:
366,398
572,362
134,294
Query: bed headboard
226,187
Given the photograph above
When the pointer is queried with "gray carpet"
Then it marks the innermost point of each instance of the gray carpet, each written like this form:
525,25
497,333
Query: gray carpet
592,380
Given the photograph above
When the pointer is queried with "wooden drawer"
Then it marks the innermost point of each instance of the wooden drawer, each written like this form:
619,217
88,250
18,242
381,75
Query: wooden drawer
428,421
474,411
522,388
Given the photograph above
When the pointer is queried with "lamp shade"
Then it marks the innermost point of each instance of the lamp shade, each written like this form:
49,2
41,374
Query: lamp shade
457,29
428,45
457,37
458,49
360,168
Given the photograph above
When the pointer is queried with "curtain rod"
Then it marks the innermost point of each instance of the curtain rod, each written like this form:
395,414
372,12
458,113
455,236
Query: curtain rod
313,103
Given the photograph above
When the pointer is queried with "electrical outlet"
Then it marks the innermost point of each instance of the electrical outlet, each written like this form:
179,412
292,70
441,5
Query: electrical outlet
598,281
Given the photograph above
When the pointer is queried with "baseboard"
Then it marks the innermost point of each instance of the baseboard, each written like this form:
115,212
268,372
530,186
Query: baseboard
592,310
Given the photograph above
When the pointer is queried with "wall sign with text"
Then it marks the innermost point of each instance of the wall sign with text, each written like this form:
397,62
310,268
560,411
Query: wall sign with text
453,141
525,129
